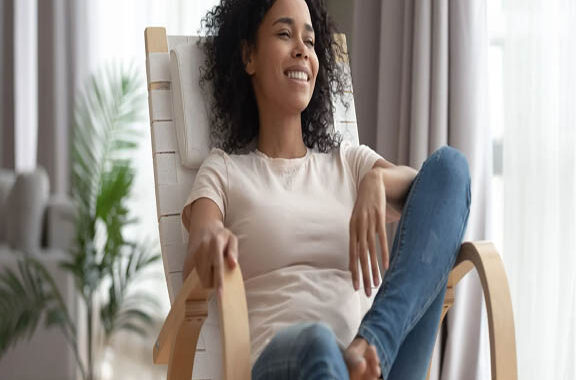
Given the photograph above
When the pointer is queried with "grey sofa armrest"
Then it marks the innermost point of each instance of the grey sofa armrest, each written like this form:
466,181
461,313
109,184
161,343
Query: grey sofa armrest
60,223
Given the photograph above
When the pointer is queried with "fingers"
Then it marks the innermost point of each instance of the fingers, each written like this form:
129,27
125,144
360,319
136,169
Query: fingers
353,264
204,267
373,362
373,258
218,262
362,243
364,265
362,361
232,251
383,243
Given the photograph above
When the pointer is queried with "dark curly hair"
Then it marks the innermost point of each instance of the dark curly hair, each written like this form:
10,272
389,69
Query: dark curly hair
234,111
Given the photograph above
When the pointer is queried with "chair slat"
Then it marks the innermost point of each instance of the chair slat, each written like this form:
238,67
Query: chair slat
161,105
341,114
171,198
164,137
166,169
159,66
170,229
176,255
349,131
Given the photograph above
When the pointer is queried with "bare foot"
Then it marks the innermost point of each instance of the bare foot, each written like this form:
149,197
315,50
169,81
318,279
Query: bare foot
362,360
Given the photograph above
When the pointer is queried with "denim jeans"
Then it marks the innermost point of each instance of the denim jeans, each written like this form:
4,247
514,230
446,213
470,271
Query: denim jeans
405,314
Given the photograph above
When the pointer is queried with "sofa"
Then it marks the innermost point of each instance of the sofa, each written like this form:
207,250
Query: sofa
32,222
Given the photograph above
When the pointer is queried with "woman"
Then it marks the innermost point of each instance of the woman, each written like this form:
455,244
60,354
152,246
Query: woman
300,211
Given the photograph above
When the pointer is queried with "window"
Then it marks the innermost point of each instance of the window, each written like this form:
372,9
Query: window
495,66
532,71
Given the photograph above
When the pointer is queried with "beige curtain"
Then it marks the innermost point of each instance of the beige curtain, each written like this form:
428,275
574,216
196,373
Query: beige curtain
420,71
7,159
63,55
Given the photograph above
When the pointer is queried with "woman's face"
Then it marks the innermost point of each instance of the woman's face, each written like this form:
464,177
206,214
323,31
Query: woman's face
283,64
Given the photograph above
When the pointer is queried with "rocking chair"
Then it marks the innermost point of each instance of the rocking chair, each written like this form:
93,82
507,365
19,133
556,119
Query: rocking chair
180,142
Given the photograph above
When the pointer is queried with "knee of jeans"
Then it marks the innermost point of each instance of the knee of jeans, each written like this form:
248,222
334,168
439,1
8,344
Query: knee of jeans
318,337
450,167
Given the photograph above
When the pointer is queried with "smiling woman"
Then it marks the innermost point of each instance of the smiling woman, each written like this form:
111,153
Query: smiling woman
283,67
300,212
236,38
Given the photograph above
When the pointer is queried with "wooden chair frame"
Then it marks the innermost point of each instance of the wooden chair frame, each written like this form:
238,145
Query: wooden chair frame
177,341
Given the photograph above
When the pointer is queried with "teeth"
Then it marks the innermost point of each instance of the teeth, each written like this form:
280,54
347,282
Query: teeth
300,75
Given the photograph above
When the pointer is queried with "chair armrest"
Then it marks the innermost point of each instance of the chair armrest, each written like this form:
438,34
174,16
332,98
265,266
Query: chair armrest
176,343
483,256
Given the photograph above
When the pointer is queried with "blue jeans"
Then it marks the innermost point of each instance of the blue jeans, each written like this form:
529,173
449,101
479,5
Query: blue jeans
405,314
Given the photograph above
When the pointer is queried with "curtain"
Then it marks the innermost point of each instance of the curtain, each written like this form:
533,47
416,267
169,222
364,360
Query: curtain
7,79
419,69
42,54
18,98
539,183
62,58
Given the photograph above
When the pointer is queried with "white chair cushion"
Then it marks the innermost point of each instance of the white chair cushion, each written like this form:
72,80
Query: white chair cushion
191,108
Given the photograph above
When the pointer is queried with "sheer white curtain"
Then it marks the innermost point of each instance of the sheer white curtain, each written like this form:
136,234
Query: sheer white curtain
539,179
25,85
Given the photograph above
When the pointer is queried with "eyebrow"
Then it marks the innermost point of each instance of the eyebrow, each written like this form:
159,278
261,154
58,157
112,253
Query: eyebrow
289,21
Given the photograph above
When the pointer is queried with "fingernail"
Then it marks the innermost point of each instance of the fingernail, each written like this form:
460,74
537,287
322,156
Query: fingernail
356,285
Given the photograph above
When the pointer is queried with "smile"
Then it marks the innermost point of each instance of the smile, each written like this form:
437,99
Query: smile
298,75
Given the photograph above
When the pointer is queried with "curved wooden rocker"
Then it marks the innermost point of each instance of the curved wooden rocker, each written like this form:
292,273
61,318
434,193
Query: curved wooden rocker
483,256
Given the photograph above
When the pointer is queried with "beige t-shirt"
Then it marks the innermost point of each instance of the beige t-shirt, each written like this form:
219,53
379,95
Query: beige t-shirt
291,217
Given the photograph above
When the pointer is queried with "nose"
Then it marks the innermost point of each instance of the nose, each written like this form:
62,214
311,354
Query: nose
300,50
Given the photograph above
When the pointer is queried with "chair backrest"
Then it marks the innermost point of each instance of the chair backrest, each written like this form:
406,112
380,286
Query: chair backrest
180,134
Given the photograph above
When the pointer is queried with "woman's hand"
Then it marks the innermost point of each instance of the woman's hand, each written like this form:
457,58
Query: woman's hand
368,219
216,246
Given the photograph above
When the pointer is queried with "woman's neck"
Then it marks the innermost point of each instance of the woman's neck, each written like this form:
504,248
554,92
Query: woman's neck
281,137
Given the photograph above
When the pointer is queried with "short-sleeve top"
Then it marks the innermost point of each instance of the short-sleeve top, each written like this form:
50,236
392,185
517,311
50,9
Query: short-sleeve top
291,217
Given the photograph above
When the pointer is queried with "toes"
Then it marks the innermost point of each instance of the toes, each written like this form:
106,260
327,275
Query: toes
373,362
358,370
356,366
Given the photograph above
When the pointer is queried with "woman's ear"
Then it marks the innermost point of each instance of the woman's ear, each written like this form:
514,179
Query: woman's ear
247,58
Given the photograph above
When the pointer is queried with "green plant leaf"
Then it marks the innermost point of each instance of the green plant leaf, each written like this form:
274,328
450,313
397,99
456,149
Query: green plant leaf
24,298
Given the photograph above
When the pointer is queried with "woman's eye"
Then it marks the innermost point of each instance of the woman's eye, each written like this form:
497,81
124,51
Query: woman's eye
310,42
284,34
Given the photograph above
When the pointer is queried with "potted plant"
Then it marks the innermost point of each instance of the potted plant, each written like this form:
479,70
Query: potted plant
104,263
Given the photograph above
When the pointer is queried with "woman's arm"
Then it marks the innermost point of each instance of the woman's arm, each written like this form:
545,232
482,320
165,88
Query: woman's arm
397,182
381,197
